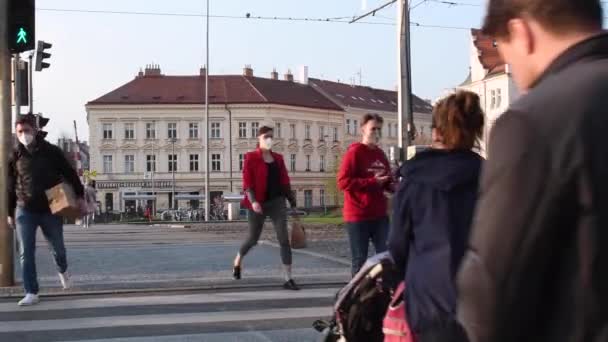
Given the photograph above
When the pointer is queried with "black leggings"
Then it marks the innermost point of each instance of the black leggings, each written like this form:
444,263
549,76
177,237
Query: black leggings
276,210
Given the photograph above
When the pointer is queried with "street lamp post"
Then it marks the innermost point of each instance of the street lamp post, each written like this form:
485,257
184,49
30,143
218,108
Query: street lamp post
173,167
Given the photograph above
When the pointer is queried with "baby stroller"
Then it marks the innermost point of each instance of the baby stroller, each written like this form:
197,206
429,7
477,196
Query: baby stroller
361,305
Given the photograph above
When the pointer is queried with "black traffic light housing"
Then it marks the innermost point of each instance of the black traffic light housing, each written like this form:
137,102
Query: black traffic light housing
41,55
21,25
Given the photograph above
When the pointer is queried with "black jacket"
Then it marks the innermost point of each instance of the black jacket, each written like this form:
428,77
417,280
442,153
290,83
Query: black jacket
31,173
537,268
432,213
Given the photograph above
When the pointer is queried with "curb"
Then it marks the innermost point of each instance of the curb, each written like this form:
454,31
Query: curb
222,287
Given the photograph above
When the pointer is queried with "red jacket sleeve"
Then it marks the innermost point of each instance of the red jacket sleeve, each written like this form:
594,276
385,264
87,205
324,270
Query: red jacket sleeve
347,180
247,174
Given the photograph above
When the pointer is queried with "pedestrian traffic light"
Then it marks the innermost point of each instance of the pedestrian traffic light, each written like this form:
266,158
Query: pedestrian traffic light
41,55
22,25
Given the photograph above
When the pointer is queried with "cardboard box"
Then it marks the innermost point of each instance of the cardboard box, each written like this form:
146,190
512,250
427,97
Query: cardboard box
63,201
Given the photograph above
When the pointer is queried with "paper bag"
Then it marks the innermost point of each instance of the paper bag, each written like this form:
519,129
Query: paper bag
63,201
298,234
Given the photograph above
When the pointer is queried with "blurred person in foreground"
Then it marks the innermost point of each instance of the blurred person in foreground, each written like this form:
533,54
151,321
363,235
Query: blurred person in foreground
536,265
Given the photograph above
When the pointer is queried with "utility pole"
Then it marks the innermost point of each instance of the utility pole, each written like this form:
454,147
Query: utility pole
405,110
405,114
7,277
153,168
207,203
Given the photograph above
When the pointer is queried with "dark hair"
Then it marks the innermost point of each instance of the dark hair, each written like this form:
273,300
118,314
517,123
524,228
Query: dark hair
264,129
460,120
371,117
558,16
27,119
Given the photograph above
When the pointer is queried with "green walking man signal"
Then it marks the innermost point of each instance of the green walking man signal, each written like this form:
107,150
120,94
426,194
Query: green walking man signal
22,36
21,25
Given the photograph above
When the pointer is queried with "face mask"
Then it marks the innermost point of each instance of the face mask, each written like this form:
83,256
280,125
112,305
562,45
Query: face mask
267,143
26,139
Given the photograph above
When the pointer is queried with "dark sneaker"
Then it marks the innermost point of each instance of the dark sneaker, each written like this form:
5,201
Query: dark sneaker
291,285
236,272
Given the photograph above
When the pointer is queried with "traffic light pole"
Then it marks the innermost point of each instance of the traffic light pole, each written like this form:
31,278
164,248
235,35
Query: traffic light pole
30,75
7,277
405,113
17,85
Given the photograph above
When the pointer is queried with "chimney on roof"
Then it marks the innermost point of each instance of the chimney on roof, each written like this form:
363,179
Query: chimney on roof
248,71
152,70
304,74
140,73
274,75
289,76
203,71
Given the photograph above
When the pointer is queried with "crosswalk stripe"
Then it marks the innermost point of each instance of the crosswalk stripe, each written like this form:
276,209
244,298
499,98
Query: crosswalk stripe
225,297
163,319
261,336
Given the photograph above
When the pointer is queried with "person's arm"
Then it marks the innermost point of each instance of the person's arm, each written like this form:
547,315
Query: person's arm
499,279
286,182
248,179
67,171
347,181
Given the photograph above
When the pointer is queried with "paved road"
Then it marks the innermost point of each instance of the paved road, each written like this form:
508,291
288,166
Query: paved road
130,257
264,314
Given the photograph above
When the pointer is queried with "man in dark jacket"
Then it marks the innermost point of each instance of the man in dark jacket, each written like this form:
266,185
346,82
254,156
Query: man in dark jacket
538,257
36,166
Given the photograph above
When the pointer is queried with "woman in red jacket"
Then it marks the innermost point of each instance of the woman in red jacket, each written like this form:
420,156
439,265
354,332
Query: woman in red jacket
266,186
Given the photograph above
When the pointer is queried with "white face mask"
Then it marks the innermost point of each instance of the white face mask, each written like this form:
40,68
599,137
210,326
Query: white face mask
267,143
26,139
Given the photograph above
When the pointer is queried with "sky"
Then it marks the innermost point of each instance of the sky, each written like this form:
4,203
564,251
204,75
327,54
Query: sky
94,53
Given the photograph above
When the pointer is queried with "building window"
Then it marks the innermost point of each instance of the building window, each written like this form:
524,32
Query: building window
193,130
307,163
107,164
242,130
292,163
215,130
107,131
129,131
241,161
292,131
498,97
355,125
493,101
255,127
390,130
173,163
308,199
322,163
129,163
336,161
194,162
151,163
277,130
321,133
348,126
307,132
172,130
322,197
216,162
150,130
335,134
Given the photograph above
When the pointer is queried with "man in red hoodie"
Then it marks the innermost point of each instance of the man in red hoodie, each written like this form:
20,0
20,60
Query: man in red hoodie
364,176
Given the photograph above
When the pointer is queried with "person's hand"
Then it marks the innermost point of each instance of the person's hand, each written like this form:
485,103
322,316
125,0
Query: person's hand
382,179
11,222
257,207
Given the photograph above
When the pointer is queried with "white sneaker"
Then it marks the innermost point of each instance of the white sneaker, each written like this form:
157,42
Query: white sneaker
65,280
29,299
